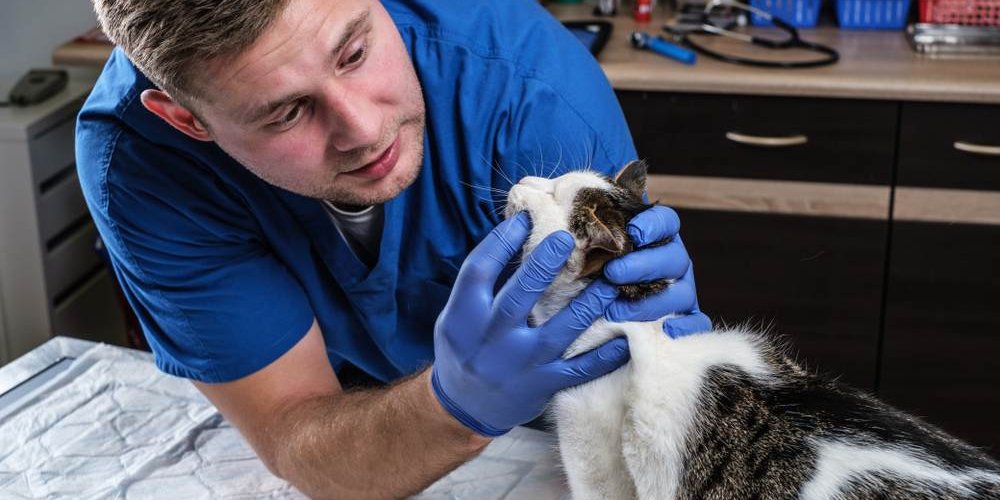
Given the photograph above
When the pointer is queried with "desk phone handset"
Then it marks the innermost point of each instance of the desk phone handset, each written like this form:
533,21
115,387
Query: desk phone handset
36,86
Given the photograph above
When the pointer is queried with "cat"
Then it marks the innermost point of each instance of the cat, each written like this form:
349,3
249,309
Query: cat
723,414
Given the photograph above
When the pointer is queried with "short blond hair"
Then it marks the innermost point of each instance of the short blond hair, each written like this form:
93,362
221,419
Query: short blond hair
168,40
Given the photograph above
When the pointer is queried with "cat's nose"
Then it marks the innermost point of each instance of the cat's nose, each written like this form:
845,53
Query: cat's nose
538,183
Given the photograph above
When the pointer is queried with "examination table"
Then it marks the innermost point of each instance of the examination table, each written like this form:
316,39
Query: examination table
86,420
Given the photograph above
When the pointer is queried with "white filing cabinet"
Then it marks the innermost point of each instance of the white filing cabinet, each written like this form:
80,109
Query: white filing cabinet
52,282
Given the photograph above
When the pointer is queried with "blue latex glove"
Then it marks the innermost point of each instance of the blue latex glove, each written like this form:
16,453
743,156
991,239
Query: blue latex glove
491,370
669,261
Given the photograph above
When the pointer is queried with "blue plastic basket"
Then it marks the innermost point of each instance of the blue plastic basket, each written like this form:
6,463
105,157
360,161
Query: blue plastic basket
798,13
872,14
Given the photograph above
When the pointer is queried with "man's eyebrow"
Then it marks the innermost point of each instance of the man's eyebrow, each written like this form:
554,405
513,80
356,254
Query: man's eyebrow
355,25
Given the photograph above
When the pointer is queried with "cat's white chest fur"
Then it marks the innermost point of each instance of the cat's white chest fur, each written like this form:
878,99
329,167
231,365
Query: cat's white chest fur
623,436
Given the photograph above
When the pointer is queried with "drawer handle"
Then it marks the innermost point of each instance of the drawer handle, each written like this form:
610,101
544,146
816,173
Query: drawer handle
768,142
978,149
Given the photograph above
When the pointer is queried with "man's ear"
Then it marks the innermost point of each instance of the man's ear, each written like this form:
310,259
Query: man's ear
161,104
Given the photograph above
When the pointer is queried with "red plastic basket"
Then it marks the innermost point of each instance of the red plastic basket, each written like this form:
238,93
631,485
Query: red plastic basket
967,12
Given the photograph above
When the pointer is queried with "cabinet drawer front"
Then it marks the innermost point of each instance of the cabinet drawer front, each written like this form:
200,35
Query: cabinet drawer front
92,311
634,106
819,140
52,152
71,260
61,206
950,146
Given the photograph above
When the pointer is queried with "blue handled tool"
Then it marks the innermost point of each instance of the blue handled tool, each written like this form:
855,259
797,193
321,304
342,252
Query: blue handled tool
659,45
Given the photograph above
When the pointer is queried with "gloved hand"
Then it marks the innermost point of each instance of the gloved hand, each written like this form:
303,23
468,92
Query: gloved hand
669,261
491,370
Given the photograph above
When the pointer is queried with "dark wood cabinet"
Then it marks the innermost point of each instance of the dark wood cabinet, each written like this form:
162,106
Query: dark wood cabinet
772,247
941,345
941,350
874,245
816,281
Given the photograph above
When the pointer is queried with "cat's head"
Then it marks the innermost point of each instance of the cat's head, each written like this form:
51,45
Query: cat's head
593,208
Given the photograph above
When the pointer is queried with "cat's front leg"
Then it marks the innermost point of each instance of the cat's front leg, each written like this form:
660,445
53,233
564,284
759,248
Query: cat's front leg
659,404
589,420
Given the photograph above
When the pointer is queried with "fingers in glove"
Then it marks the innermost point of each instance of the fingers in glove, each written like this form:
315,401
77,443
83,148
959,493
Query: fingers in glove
682,326
654,224
520,293
562,329
591,364
669,261
678,298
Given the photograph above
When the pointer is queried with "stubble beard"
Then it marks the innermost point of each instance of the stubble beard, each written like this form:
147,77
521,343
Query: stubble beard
401,177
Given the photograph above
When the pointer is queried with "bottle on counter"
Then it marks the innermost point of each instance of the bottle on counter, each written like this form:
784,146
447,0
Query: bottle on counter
642,11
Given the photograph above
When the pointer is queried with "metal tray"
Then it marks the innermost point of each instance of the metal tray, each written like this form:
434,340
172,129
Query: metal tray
953,39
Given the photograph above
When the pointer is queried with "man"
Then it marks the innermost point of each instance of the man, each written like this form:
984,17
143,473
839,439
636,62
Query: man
289,188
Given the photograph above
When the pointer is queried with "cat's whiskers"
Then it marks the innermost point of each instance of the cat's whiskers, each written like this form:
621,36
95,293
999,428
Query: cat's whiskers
558,163
541,158
495,166
497,169
497,196
486,188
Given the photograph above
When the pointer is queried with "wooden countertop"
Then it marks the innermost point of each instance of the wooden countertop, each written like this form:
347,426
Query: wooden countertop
873,65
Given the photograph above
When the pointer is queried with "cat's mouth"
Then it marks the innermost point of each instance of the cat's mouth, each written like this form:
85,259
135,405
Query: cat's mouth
520,199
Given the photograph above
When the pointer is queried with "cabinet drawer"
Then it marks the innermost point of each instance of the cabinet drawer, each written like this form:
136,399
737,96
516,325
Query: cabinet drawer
633,105
52,151
950,146
71,260
60,206
819,140
91,312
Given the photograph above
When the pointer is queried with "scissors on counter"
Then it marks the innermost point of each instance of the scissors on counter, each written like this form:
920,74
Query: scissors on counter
825,55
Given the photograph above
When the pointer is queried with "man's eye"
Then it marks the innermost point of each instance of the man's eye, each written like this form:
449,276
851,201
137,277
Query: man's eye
290,117
357,55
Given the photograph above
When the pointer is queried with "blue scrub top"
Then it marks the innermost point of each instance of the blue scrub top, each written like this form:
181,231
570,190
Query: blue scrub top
226,272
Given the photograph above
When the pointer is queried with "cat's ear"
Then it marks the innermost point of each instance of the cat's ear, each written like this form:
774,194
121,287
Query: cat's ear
605,236
633,177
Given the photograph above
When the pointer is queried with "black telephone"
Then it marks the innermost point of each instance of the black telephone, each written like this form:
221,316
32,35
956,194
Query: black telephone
37,85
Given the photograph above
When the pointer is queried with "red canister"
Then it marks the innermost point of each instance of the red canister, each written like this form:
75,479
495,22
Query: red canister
642,10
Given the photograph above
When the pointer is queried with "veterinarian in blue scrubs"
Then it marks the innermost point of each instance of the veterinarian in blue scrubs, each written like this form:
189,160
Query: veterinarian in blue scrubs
289,189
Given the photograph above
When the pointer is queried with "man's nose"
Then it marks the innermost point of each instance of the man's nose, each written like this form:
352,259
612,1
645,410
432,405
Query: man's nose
355,121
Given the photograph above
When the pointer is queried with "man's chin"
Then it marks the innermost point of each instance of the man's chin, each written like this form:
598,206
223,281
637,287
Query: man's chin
363,193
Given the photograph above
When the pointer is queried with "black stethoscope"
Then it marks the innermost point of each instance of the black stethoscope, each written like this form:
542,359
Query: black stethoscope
827,54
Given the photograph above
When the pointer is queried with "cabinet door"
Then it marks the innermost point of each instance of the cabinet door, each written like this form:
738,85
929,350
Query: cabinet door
941,350
941,354
816,281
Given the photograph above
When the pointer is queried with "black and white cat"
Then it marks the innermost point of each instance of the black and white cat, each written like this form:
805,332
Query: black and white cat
724,414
